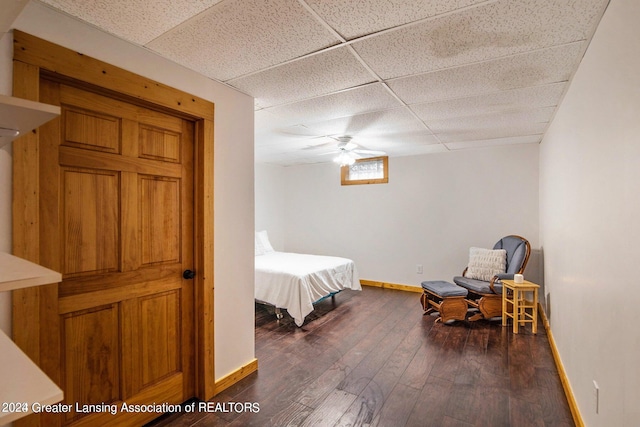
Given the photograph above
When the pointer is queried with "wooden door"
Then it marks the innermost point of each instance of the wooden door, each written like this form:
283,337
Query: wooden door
116,219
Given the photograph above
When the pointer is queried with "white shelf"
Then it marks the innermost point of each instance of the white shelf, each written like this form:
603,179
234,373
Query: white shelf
17,273
23,115
22,382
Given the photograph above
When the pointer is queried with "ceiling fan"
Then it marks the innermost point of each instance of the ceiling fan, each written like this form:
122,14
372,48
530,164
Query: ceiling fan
348,152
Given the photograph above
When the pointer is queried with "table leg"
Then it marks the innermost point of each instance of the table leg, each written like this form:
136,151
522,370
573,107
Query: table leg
535,311
504,305
516,310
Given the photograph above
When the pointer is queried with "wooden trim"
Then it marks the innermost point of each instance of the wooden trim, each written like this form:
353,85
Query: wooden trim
235,376
34,57
566,385
60,60
344,173
394,286
204,231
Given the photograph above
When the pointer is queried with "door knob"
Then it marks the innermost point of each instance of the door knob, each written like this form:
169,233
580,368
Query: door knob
189,274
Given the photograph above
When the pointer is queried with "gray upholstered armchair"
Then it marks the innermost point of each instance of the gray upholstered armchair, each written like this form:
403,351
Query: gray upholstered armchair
487,295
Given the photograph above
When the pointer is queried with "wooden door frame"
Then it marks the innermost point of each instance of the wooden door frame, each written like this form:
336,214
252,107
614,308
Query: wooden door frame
32,57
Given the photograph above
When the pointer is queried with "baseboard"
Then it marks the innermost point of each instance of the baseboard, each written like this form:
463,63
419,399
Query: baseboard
573,406
395,286
235,376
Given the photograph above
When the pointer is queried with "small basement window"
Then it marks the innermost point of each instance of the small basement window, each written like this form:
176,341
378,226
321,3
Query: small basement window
374,170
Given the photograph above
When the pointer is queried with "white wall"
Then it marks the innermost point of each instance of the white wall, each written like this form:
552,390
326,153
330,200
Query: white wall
10,11
432,210
234,196
590,214
270,197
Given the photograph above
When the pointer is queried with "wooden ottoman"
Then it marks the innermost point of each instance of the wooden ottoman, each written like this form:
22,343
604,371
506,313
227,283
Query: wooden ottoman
446,298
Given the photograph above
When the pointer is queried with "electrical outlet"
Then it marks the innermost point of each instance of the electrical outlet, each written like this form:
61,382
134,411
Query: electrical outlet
419,268
596,395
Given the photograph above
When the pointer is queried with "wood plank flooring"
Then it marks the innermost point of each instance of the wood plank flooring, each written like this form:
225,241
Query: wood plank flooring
372,359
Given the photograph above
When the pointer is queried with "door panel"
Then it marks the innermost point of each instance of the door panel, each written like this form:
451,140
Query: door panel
90,359
123,223
159,144
159,334
91,221
160,219
91,130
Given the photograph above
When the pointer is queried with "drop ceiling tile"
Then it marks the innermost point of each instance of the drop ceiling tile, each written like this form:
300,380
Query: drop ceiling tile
271,129
363,99
489,122
138,21
242,36
385,122
499,102
297,131
396,142
301,147
510,130
546,66
296,156
527,139
489,31
419,150
320,74
288,153
284,145
266,121
355,18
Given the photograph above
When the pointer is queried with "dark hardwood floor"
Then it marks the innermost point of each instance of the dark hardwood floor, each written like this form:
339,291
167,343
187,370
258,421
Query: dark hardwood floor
372,359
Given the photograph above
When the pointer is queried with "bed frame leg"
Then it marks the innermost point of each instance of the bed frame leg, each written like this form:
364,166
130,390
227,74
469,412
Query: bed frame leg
279,314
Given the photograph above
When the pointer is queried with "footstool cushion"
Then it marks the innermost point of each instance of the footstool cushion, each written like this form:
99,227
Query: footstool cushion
444,289
446,298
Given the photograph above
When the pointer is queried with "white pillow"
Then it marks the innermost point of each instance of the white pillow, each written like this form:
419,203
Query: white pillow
259,247
262,243
486,263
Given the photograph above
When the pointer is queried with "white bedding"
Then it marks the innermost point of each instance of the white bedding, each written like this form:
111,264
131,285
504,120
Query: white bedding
295,281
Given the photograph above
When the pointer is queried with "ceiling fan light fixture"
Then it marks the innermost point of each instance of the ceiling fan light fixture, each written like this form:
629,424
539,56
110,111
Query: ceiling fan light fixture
344,159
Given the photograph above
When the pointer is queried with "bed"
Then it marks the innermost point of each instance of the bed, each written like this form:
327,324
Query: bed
296,281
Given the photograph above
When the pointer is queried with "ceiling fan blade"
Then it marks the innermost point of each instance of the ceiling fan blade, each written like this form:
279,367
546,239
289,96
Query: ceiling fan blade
360,122
369,152
298,130
324,144
349,146
328,153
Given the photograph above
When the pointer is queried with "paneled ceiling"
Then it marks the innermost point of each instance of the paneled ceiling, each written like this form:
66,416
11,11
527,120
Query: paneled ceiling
404,77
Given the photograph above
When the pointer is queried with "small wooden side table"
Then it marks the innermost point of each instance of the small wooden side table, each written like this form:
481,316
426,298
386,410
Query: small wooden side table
519,304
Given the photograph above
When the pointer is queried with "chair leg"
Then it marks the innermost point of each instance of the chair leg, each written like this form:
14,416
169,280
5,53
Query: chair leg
489,305
472,302
449,308
475,317
424,301
453,308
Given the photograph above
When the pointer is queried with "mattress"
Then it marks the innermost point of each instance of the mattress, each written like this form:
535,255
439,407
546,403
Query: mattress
295,281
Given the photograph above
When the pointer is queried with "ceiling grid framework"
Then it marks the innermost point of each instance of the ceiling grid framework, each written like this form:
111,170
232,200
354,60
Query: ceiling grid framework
400,76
